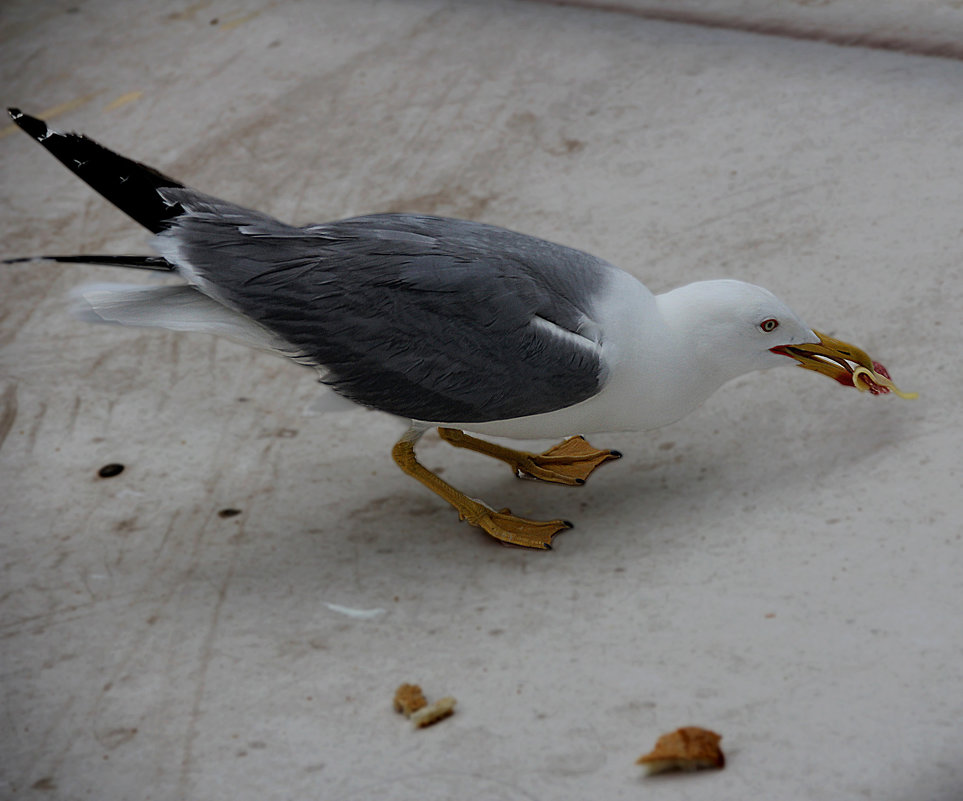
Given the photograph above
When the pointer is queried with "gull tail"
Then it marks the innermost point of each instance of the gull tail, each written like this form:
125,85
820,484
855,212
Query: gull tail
130,186
176,308
155,201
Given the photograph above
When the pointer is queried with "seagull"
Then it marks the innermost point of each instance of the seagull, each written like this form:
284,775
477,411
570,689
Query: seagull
469,328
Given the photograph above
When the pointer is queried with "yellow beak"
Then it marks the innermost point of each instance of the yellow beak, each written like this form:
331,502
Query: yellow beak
845,363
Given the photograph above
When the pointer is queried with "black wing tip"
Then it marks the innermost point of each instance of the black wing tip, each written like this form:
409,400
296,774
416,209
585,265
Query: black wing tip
128,184
35,127
158,263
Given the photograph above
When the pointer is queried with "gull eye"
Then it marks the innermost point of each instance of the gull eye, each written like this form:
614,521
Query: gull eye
769,325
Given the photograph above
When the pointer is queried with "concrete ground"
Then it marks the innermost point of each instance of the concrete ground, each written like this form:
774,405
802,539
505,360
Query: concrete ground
784,566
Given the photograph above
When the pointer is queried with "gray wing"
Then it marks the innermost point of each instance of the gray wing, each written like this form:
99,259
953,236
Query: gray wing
428,318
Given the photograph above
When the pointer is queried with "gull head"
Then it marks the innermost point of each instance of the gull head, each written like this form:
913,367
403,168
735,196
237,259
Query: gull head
731,328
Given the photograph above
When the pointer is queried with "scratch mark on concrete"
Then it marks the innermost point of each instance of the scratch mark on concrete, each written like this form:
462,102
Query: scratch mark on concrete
34,430
71,426
8,411
14,628
756,204
206,655
870,40
44,752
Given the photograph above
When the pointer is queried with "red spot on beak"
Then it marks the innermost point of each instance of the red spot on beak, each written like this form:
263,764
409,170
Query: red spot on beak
879,368
872,386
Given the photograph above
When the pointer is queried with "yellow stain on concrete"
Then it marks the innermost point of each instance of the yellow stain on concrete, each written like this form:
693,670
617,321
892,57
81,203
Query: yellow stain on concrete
231,24
55,111
189,12
123,100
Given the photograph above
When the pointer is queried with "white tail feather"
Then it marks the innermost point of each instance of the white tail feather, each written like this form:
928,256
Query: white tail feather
177,308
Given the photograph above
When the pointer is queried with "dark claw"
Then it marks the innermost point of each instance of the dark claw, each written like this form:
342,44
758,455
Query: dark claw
616,454
580,481
568,524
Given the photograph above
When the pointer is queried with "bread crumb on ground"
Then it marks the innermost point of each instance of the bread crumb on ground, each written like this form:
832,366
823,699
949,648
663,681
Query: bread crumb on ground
409,699
431,714
689,748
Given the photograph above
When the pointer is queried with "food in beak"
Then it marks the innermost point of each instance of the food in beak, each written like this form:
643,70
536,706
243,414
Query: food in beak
845,363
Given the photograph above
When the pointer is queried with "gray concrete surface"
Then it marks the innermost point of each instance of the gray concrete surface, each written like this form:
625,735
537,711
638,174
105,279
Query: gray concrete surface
933,27
784,566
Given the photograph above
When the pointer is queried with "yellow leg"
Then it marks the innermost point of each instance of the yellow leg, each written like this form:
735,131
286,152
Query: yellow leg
570,462
503,525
